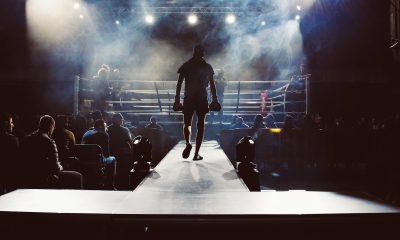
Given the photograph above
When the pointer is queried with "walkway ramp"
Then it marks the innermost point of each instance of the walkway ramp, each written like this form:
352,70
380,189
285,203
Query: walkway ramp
213,174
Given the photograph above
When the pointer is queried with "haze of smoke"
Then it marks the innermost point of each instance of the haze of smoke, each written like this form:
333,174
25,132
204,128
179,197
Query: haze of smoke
277,46
250,51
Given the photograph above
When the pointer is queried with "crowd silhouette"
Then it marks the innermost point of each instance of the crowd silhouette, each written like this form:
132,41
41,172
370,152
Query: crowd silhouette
39,151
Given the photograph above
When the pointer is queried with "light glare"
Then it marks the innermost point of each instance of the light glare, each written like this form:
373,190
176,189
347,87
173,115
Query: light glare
230,19
76,5
192,19
149,19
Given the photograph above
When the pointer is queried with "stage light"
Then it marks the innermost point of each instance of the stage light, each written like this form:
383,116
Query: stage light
230,19
141,149
76,5
149,19
245,150
247,170
263,23
117,22
275,130
192,19
298,7
81,16
298,17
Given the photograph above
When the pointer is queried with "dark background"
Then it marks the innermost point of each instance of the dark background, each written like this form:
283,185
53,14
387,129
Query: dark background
346,42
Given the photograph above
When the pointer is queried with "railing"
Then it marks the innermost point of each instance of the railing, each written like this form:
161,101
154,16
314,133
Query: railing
240,97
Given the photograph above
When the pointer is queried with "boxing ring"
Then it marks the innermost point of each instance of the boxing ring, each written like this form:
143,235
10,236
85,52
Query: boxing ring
244,98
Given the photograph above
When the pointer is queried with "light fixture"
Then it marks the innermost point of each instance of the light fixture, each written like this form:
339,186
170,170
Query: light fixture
230,19
149,19
192,19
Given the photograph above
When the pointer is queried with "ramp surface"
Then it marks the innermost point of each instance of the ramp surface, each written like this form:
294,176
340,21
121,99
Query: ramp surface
213,174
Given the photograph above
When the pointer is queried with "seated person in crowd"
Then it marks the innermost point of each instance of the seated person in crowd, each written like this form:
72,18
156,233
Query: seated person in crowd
96,115
153,124
99,136
9,145
120,147
120,137
64,138
258,122
40,160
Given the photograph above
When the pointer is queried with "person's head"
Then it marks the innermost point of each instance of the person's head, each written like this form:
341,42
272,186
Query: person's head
103,73
105,66
97,115
90,122
219,72
117,119
7,124
258,119
198,51
106,117
153,120
100,125
47,124
61,121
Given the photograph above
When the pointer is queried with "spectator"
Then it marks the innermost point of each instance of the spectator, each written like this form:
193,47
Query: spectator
90,123
120,137
41,161
153,124
17,129
120,147
96,115
258,122
99,136
63,137
9,145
